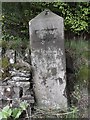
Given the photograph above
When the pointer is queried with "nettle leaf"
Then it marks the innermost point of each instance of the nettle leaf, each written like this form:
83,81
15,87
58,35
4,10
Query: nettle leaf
9,112
1,116
16,113
24,105
6,112
6,108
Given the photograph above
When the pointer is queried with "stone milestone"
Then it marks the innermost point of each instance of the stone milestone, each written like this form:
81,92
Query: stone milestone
48,60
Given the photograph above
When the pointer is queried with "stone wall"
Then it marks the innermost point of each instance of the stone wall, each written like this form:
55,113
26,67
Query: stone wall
15,82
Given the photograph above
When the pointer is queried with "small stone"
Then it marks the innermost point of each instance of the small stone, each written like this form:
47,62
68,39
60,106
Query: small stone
8,89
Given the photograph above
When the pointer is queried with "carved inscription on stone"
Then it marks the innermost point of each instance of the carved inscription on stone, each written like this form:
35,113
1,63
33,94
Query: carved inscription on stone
46,34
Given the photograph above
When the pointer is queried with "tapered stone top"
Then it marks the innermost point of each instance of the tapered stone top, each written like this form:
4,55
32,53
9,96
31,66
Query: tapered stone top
50,22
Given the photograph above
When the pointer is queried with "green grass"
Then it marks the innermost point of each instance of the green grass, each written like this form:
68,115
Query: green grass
79,53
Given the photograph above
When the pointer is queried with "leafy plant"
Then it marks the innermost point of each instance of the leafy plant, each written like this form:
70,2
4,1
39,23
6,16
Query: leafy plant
14,113
79,53
83,74
23,105
73,114
5,64
5,113
16,23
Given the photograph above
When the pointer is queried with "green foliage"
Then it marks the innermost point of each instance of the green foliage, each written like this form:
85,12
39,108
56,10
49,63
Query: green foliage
18,44
15,24
75,15
4,62
83,74
15,44
74,113
3,43
15,113
5,113
23,105
18,111
79,53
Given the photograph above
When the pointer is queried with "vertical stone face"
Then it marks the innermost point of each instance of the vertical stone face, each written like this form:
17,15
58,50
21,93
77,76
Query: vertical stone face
48,60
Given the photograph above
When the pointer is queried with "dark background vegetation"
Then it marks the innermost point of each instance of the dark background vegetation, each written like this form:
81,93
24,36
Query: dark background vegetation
15,17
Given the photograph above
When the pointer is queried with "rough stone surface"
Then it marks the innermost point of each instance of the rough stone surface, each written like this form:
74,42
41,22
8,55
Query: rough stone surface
0,52
48,60
11,55
15,88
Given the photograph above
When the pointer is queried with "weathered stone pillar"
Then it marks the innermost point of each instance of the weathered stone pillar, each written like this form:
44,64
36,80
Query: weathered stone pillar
48,60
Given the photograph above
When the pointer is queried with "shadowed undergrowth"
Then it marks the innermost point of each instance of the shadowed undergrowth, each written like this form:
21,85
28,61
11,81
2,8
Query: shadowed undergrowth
79,52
